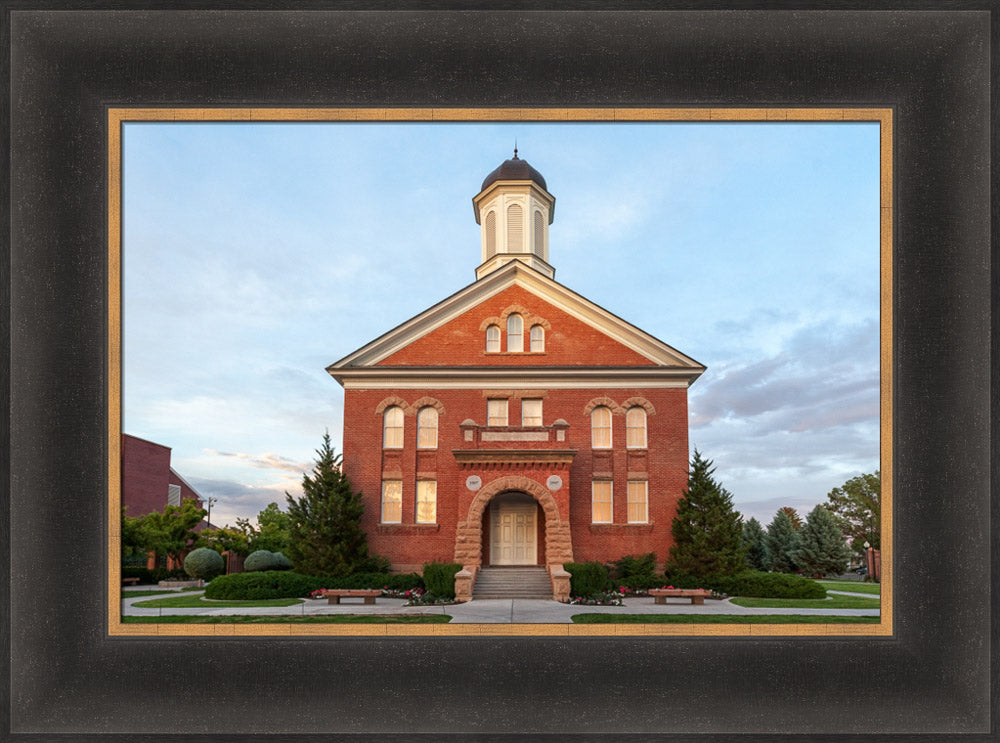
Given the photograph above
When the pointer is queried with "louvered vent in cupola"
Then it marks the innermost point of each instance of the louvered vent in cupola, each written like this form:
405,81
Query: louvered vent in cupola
515,223
491,235
539,235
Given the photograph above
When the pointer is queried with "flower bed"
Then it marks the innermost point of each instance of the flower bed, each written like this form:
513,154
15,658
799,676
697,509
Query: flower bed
603,598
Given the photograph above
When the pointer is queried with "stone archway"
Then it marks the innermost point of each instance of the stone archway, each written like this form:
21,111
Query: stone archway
469,533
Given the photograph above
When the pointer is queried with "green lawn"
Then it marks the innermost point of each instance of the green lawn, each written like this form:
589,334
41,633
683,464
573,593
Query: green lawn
717,619
833,602
197,602
852,586
157,592
297,619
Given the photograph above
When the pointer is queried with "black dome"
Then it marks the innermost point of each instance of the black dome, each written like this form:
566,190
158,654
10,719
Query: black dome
514,169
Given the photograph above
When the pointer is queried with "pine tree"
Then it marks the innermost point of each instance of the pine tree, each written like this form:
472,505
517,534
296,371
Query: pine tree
822,549
325,531
794,516
754,540
707,529
782,541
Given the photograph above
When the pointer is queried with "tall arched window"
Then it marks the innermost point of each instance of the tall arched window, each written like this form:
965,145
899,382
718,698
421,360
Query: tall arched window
635,428
600,428
491,235
493,339
515,229
392,428
539,234
537,338
515,333
427,428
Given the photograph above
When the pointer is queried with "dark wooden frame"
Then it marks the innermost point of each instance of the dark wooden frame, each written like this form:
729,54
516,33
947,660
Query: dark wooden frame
931,680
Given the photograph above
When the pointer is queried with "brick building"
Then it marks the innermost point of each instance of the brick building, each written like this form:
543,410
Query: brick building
148,481
516,423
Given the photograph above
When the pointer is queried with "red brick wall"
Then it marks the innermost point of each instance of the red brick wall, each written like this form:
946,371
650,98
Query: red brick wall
145,476
409,545
568,341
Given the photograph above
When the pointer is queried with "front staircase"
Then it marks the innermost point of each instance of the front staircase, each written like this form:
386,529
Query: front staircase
514,582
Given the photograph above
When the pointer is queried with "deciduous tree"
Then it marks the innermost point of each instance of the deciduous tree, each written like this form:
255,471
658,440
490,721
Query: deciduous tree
857,504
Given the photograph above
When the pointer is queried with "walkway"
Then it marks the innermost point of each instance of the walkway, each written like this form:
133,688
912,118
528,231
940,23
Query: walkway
489,611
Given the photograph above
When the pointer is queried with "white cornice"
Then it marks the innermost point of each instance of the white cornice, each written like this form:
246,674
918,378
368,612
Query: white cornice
515,272
515,378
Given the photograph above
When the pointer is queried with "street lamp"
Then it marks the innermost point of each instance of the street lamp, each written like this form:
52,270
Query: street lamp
212,500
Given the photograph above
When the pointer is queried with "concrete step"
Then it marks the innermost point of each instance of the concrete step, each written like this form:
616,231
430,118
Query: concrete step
512,582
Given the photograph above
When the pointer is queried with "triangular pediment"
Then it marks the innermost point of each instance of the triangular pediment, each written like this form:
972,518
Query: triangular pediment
637,345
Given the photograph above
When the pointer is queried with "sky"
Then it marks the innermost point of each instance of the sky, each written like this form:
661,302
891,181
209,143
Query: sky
255,255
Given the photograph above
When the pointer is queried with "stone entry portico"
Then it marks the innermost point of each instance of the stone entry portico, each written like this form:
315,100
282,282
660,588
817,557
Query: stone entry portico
558,543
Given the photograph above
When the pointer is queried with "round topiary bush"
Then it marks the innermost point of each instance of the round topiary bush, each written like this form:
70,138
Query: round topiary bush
281,562
204,563
259,560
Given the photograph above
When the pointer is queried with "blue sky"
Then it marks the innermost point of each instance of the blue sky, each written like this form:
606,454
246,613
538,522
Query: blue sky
254,255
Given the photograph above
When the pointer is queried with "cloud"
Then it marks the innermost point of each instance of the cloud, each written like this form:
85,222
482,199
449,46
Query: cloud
237,499
265,461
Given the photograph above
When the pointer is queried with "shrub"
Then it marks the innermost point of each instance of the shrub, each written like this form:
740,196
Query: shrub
270,584
403,582
439,578
634,565
281,562
770,586
643,582
204,563
586,578
260,560
373,564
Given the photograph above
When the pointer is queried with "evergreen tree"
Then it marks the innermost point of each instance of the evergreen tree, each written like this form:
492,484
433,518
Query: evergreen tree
707,528
794,516
325,535
822,549
754,540
782,541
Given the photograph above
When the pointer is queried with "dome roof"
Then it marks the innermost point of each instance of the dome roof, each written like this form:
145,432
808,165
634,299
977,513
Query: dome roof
514,169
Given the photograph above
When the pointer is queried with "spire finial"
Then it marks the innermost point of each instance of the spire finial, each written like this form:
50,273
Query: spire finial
515,149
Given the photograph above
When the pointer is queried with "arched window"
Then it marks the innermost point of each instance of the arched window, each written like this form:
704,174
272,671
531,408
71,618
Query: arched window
635,428
600,428
493,339
392,428
491,235
515,229
537,338
539,235
515,333
427,428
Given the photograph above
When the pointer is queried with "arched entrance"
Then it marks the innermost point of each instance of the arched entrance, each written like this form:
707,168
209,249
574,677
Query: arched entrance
469,537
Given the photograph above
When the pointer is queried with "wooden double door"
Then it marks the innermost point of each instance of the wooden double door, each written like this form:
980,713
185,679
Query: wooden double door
513,530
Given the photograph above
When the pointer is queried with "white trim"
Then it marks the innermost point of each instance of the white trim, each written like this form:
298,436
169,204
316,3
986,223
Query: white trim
595,383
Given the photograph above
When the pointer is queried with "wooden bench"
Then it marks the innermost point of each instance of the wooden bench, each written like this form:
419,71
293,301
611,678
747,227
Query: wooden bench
334,595
130,581
697,595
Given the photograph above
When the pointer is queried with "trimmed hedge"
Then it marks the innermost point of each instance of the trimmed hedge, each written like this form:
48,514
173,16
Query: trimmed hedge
439,578
204,563
586,578
284,584
754,584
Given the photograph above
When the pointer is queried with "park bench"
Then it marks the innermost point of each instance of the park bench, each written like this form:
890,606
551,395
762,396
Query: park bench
334,595
697,595
130,581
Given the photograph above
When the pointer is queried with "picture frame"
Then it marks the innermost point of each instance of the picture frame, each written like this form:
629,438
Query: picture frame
930,678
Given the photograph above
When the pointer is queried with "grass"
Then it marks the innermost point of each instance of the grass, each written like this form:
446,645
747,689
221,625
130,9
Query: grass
717,619
197,602
852,586
296,619
834,602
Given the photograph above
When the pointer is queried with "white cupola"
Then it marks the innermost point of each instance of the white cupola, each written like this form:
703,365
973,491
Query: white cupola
514,211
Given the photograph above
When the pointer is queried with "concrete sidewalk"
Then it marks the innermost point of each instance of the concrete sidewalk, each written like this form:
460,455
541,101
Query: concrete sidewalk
489,611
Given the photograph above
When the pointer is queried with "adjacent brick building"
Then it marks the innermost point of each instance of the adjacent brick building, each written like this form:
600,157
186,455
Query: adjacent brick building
149,483
516,422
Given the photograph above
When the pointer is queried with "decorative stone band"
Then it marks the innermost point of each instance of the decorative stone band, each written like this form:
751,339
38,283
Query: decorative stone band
557,458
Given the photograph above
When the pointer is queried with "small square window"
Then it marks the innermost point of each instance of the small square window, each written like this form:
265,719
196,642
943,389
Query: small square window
531,412
496,412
